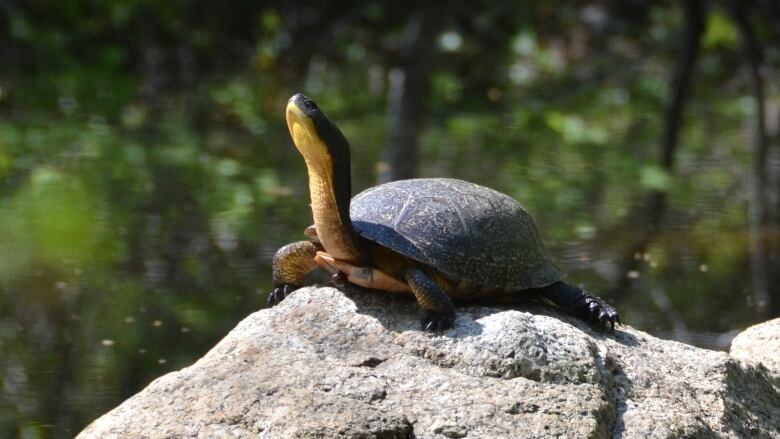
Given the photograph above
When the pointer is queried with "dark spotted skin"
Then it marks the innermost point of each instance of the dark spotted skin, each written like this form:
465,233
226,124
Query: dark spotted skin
580,303
439,312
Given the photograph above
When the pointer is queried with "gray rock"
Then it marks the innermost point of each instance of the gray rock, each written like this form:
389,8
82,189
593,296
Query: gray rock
759,344
326,363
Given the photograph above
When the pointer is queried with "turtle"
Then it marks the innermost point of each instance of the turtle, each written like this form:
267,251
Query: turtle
442,240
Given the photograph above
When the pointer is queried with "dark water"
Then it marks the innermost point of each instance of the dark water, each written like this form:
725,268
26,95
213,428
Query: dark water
124,259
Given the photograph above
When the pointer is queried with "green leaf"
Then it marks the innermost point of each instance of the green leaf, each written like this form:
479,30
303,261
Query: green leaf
654,178
720,31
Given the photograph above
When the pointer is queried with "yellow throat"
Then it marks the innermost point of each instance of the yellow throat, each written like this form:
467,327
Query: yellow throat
332,230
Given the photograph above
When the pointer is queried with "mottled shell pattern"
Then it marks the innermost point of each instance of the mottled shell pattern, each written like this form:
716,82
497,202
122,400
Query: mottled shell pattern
466,231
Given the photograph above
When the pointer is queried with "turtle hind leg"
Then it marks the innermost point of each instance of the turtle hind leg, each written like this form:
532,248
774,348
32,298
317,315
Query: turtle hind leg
290,265
580,303
439,312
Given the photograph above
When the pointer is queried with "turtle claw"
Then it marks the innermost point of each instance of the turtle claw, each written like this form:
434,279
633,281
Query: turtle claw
280,292
432,321
601,312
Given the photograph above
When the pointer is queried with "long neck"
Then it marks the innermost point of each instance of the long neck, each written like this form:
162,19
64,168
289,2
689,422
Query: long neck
330,188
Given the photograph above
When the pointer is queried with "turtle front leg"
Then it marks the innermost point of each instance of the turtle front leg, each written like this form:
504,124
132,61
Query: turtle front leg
439,312
581,304
290,265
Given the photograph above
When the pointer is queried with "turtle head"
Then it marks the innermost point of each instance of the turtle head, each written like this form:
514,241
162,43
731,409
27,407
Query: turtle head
317,138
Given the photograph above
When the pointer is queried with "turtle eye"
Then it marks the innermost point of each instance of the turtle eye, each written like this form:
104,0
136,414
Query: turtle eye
309,104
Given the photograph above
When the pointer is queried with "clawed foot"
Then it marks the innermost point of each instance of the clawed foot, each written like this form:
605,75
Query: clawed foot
280,292
600,311
436,322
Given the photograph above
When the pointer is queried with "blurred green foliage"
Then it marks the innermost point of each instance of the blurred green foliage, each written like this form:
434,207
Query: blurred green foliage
149,178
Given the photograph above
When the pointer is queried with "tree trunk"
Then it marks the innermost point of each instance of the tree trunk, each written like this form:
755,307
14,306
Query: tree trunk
757,216
407,94
655,204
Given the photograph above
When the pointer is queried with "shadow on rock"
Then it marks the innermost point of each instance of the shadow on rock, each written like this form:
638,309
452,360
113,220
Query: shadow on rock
755,398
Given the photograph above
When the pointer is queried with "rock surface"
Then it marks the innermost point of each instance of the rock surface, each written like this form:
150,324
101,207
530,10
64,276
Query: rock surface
326,363
759,344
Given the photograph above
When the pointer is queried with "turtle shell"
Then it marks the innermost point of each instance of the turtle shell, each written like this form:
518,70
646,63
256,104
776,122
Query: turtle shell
462,229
